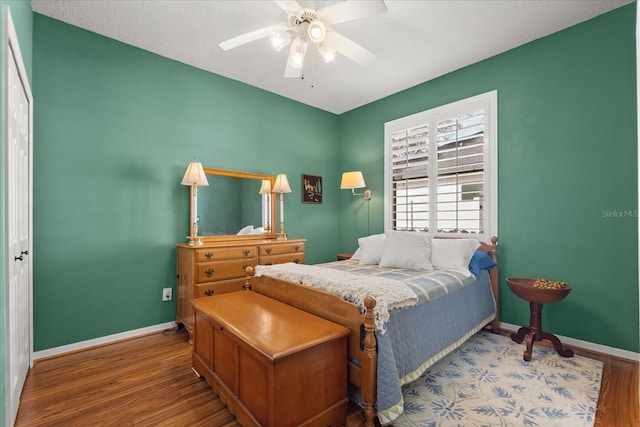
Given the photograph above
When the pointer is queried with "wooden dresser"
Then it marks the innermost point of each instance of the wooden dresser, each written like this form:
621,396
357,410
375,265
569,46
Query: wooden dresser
271,363
218,267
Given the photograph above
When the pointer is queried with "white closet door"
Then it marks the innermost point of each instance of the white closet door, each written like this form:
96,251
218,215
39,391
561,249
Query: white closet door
18,216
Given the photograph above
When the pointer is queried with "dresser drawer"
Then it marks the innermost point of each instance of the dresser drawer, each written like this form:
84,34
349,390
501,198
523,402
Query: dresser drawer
220,270
279,249
213,254
280,259
221,287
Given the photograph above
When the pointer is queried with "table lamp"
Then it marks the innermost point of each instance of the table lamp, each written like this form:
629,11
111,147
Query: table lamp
282,186
265,190
194,177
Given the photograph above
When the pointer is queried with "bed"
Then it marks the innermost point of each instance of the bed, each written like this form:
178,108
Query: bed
392,341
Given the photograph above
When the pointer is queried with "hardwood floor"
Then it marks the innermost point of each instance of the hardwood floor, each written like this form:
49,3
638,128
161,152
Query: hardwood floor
148,381
145,381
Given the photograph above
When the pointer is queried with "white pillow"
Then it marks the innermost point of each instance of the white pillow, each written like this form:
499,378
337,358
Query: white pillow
406,249
259,230
245,230
371,248
453,254
356,254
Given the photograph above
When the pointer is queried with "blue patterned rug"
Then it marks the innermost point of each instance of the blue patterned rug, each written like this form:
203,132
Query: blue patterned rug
485,382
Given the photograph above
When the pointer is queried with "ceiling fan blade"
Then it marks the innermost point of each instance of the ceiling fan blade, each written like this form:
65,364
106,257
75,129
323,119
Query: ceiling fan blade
348,48
289,6
251,36
295,60
351,10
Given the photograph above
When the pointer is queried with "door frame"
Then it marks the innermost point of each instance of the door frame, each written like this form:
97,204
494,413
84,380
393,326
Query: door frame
11,46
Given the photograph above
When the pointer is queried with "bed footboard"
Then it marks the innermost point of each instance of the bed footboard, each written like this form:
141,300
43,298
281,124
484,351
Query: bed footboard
369,363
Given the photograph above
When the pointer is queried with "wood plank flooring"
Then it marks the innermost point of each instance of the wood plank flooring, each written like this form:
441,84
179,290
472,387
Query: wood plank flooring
148,381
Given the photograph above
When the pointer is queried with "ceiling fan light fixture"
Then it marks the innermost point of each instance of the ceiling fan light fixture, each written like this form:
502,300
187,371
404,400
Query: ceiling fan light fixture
327,53
280,39
316,31
297,53
304,26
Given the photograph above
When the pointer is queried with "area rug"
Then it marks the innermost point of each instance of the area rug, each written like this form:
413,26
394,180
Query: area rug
485,382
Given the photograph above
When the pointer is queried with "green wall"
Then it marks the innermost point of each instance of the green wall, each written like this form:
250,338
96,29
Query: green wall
115,128
567,170
23,23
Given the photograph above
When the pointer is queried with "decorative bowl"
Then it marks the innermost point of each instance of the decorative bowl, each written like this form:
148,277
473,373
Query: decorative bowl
524,289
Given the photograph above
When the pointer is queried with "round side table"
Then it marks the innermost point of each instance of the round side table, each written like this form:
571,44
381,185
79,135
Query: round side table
537,297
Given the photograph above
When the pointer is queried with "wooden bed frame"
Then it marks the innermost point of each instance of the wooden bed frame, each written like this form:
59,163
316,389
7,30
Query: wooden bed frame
362,340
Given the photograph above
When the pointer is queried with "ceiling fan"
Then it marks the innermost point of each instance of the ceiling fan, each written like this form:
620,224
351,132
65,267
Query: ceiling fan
306,26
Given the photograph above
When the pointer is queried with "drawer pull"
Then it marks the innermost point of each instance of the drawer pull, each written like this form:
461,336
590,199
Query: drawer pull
268,263
209,255
296,260
244,267
296,248
268,250
246,252
209,272
208,292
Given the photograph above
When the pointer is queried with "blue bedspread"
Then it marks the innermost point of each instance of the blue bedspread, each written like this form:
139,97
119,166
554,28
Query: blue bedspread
451,309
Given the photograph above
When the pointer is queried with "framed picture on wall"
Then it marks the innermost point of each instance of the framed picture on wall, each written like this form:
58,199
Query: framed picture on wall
311,189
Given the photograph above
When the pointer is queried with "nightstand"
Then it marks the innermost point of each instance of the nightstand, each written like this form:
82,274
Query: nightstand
537,297
343,256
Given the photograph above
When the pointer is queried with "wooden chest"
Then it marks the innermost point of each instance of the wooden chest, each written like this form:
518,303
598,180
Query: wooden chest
272,364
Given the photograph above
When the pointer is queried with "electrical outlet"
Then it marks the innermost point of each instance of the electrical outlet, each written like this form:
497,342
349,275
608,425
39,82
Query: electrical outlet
166,294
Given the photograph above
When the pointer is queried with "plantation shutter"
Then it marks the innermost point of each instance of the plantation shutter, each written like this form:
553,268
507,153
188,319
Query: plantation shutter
410,168
460,171
441,169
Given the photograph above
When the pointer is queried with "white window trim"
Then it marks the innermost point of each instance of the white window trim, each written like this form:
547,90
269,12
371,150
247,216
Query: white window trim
487,101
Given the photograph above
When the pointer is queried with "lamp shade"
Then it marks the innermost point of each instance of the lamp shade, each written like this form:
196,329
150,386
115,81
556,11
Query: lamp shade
327,53
195,175
266,187
351,180
280,39
297,52
282,184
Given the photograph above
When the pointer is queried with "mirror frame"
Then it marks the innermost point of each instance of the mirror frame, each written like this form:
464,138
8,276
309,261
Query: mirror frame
247,175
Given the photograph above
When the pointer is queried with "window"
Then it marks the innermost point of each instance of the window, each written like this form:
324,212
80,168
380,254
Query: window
441,169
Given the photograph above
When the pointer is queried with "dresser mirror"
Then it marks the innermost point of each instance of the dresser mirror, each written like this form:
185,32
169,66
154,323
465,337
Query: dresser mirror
231,206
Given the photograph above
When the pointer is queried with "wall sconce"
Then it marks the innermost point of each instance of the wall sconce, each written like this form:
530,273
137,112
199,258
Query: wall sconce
353,180
265,190
195,177
282,186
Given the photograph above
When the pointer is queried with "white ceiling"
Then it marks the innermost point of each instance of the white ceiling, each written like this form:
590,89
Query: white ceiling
414,41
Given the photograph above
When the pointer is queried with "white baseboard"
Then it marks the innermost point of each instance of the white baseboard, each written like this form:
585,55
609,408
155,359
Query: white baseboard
82,345
42,354
625,354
